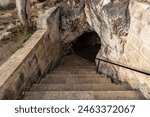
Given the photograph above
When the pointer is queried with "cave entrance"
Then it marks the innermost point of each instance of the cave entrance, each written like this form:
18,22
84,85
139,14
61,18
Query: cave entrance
87,45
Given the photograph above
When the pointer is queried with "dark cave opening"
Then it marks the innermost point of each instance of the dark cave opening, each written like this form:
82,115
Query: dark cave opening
87,45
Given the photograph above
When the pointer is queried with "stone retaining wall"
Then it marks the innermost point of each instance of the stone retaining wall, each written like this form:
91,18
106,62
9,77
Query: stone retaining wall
27,65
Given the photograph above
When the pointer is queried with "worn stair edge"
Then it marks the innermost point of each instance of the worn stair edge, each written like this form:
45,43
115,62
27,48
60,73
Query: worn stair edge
77,87
75,69
76,75
75,58
83,95
77,63
74,72
78,66
70,80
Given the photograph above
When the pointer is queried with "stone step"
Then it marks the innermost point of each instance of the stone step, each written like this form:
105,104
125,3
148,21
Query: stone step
78,67
75,76
83,95
75,68
80,59
74,72
77,87
70,80
75,60
77,63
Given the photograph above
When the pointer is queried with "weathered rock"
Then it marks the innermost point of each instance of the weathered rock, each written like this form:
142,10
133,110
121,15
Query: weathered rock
137,48
10,26
40,12
73,20
2,27
5,16
4,3
5,36
40,5
124,33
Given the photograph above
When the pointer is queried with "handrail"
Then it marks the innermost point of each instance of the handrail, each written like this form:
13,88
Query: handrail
121,65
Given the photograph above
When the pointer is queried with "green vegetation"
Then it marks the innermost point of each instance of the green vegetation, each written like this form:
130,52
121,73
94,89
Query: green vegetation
19,46
22,37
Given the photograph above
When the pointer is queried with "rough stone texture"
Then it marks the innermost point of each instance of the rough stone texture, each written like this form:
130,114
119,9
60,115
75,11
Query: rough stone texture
40,5
5,36
7,30
6,15
137,49
103,18
122,43
73,20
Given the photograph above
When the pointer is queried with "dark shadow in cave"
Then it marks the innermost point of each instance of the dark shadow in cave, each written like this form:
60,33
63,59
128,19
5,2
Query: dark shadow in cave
87,45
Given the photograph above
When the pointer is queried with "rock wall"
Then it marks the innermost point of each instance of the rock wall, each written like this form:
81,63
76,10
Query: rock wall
124,29
73,20
111,22
137,49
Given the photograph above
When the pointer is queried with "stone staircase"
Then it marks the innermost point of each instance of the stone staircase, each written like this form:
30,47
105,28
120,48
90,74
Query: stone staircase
76,79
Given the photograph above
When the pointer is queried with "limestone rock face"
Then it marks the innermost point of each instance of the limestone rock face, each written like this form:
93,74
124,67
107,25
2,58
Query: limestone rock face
124,30
111,21
137,49
73,20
